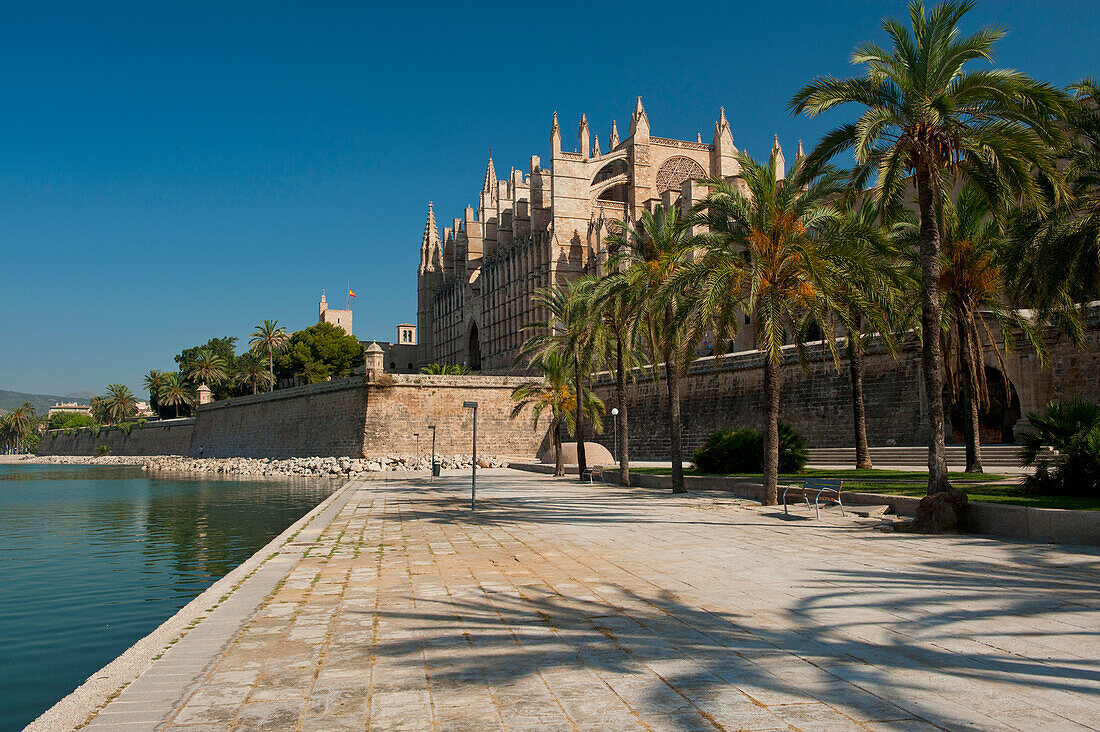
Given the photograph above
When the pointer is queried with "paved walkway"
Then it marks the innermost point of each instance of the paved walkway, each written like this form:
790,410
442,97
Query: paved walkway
558,606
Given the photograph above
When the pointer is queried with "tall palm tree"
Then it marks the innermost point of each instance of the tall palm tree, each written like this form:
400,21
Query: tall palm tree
928,116
269,336
571,332
176,391
648,255
764,254
153,382
616,310
252,371
208,368
972,286
120,402
554,391
1055,253
889,283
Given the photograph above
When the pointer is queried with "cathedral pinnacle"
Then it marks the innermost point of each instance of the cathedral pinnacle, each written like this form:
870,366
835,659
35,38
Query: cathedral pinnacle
780,163
430,257
613,141
490,176
596,151
639,122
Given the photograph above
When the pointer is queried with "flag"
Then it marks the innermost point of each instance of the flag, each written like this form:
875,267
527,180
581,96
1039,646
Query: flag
351,292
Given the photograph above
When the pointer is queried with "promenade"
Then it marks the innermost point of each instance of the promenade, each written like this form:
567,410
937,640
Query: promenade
557,606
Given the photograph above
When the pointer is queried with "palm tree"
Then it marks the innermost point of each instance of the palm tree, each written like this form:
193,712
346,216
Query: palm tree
889,283
647,256
175,391
153,382
926,116
15,426
764,254
616,310
572,333
208,368
252,371
971,286
1055,253
120,403
269,336
445,369
553,391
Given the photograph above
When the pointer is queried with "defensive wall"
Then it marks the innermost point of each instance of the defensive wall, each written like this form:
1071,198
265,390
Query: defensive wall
727,392
352,417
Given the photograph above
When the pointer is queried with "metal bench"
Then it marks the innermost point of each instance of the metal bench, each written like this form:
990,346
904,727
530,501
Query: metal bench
823,489
596,471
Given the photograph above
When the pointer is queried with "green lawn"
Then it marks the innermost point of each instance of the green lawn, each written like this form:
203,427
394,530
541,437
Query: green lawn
911,483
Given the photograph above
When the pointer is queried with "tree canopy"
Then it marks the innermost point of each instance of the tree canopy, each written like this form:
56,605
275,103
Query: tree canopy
318,353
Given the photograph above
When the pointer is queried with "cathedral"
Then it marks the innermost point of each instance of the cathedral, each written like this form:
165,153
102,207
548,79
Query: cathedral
476,278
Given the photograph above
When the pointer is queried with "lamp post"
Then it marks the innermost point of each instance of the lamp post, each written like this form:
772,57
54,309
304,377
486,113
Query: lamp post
432,428
417,436
473,464
615,419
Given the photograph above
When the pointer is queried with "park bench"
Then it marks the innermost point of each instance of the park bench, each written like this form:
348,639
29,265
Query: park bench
823,489
596,471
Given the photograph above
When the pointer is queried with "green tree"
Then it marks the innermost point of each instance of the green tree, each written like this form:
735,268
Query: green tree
764,255
253,372
648,256
972,287
320,352
153,382
208,368
100,413
175,391
445,369
1054,260
1063,445
616,310
120,403
269,337
553,392
927,116
222,349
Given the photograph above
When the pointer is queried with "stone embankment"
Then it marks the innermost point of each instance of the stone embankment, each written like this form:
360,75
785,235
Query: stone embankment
303,467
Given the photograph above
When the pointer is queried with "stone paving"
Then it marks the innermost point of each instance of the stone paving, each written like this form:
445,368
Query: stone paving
561,606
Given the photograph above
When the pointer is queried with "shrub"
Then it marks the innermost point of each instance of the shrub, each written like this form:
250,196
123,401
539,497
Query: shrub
742,451
77,421
1063,446
102,451
59,420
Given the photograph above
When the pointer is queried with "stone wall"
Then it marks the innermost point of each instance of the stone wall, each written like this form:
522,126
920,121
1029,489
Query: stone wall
347,417
817,399
172,437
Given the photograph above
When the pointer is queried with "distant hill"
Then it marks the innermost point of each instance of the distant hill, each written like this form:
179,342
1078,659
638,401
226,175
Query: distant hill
84,397
10,400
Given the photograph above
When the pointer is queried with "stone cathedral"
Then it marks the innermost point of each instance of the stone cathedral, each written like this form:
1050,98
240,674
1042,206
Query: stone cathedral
476,278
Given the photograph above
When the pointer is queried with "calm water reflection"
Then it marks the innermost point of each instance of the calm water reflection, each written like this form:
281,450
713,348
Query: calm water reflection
94,558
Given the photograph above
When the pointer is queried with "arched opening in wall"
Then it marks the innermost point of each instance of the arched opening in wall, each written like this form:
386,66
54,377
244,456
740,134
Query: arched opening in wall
474,350
615,167
995,423
614,193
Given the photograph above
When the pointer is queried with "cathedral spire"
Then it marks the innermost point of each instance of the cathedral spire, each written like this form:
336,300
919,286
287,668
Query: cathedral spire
780,163
596,149
639,122
800,156
430,259
555,137
584,137
490,176
613,141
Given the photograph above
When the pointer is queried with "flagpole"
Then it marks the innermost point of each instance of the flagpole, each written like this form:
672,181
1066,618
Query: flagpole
347,293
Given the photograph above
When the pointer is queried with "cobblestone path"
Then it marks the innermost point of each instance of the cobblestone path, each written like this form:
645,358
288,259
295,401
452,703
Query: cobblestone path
561,606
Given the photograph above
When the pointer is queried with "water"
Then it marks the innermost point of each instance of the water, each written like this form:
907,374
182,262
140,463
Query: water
94,558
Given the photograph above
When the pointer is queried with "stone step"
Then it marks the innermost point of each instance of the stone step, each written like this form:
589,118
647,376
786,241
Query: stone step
868,511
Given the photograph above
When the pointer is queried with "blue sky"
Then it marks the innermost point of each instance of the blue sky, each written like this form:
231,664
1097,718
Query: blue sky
175,171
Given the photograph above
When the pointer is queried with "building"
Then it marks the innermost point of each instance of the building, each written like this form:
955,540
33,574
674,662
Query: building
547,226
341,318
401,356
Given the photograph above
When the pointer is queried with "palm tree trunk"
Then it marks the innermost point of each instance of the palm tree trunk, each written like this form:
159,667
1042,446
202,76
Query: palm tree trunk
555,442
620,397
859,410
970,397
930,331
771,432
674,448
582,462
177,410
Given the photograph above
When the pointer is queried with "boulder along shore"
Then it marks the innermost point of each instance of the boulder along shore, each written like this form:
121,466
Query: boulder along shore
299,466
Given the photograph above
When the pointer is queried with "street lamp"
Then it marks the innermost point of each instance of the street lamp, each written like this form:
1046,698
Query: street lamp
432,428
473,465
615,419
417,436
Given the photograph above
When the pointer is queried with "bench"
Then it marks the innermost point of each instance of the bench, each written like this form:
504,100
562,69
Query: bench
827,489
596,471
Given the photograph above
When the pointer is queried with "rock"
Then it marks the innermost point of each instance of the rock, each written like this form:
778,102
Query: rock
869,511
